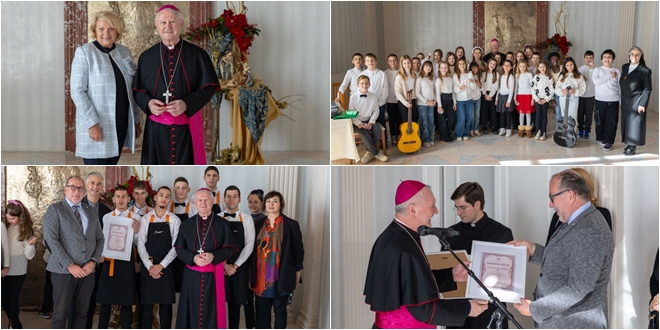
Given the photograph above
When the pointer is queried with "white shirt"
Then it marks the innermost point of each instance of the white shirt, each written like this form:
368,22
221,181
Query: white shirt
436,71
20,252
490,88
350,78
607,88
464,94
524,82
542,88
391,76
367,108
475,90
248,233
446,88
141,211
189,208
506,88
379,84
587,74
424,91
577,85
175,223
6,256
402,87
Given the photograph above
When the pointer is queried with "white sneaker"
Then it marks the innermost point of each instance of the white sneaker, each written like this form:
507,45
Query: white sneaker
432,143
367,157
465,138
477,133
381,157
502,132
542,137
538,135
426,144
508,133
459,139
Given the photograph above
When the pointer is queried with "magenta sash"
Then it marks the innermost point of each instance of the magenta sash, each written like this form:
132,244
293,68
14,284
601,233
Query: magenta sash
219,274
400,319
196,131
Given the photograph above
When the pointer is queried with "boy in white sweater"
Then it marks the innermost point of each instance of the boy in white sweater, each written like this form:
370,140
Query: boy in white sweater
608,94
351,76
366,103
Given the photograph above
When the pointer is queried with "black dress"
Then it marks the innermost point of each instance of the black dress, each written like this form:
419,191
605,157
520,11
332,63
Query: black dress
635,92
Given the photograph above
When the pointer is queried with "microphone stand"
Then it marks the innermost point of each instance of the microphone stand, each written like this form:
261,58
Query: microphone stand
501,312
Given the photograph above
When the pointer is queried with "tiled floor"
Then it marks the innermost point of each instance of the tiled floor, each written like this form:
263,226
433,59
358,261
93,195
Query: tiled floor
499,150
68,158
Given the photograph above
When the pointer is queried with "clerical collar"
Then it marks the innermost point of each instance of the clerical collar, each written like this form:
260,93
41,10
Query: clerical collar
177,45
484,221
402,223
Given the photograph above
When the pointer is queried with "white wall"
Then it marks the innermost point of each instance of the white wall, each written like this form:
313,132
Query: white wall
32,76
516,197
290,56
425,26
294,37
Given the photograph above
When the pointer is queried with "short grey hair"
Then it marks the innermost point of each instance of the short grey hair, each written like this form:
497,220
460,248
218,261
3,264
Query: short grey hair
73,177
91,174
573,181
178,14
416,199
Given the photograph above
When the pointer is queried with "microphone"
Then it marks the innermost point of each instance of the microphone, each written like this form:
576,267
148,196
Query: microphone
440,232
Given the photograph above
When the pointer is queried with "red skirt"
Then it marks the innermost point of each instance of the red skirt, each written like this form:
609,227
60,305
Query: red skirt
524,104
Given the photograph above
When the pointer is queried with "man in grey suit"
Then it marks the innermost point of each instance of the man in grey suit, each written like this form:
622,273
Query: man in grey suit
575,264
73,235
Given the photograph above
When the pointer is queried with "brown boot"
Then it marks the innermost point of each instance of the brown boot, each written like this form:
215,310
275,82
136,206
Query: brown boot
529,131
521,130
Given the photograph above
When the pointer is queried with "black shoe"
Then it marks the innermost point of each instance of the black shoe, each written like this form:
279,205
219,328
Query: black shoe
629,150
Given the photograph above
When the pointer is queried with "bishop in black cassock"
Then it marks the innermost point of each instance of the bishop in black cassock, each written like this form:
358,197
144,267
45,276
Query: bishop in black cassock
203,237
174,81
400,286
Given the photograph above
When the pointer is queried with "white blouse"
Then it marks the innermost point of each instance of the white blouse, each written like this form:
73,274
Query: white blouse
20,252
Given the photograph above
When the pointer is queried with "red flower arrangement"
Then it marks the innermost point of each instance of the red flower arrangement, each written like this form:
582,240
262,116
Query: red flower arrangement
228,22
151,193
556,43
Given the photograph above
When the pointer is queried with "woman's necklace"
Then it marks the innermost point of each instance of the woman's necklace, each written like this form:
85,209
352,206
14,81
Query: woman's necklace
167,93
200,251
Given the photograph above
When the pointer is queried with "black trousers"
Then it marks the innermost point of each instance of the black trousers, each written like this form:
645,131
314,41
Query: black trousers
11,291
164,312
263,308
541,111
585,113
395,118
74,293
92,303
126,316
48,294
607,118
449,113
489,117
505,119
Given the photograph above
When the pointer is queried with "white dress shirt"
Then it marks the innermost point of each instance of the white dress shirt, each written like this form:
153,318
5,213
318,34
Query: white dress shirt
379,84
367,108
174,223
189,208
248,233
350,78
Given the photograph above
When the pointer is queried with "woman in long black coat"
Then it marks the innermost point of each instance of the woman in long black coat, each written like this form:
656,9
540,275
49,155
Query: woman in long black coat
635,94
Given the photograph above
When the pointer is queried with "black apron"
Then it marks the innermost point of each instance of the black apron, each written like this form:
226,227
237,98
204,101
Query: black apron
216,204
159,243
118,289
236,285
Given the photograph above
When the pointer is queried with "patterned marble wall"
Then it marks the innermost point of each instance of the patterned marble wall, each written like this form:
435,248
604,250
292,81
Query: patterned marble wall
37,187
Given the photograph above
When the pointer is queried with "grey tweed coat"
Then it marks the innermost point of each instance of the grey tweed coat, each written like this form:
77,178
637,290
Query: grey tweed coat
94,93
575,270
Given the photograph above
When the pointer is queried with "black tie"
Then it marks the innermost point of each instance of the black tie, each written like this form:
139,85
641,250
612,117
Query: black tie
363,95
179,204
75,211
233,215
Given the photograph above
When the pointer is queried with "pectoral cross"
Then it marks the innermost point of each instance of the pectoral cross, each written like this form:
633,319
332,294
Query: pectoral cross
200,251
167,95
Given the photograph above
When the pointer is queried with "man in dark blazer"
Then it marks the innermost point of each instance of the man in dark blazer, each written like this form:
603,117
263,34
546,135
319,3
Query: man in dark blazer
575,264
94,186
73,234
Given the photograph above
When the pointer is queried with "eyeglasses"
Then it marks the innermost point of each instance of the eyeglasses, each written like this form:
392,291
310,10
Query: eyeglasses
557,194
74,188
460,208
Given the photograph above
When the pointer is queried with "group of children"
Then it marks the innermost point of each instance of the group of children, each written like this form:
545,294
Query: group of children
18,246
459,99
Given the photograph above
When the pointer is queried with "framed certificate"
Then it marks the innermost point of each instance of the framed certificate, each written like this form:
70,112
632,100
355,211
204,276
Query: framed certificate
501,267
118,234
444,259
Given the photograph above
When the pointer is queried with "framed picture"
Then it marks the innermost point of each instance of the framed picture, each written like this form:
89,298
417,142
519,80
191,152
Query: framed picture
443,260
501,267
118,234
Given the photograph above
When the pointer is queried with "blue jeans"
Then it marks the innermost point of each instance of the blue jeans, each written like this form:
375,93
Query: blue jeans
557,111
463,118
426,125
476,113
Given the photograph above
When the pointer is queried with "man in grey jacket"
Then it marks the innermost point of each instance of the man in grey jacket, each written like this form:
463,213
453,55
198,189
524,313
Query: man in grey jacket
72,232
575,264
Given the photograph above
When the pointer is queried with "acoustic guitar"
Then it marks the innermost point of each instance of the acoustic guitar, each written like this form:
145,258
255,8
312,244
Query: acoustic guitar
409,141
565,135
